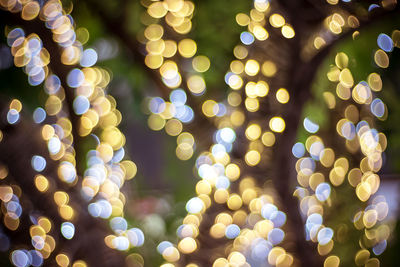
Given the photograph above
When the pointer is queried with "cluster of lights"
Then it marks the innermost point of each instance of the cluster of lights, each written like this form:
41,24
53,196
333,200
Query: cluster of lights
164,18
259,244
11,207
173,16
333,26
97,117
321,172
245,66
172,115
29,53
251,220
340,22
259,224
43,243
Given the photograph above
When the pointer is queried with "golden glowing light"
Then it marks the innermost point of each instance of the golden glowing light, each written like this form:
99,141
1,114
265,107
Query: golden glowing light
282,95
277,124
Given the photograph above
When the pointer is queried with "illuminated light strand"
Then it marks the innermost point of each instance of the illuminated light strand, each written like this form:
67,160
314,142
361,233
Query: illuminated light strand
359,136
107,172
165,18
212,169
265,237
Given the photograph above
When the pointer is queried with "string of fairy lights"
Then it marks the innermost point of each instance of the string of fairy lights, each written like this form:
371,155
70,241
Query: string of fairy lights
218,172
251,220
168,18
315,192
98,118
360,106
